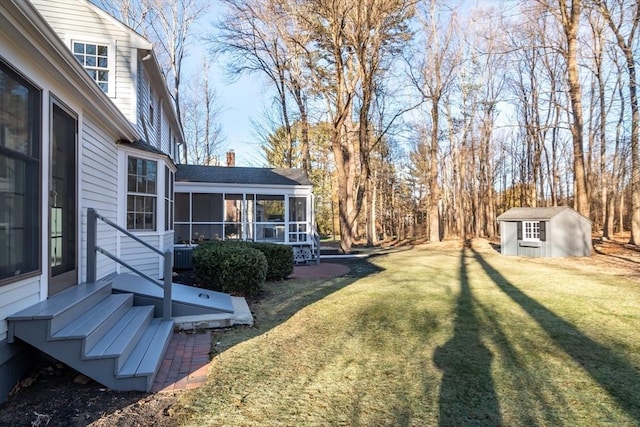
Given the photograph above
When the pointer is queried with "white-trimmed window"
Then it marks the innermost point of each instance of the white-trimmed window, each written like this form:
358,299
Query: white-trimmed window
531,230
142,184
20,184
94,57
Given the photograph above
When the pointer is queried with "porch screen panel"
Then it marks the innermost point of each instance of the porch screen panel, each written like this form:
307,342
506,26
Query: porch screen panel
20,106
298,219
233,216
183,207
182,218
207,207
204,232
270,218
250,216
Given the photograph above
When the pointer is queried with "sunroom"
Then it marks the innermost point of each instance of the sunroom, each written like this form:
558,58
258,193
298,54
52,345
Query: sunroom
241,203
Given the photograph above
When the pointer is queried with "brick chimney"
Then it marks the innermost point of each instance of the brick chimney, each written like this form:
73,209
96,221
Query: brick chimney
231,158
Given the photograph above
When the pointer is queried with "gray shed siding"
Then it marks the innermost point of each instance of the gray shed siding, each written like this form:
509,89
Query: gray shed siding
510,245
571,235
567,234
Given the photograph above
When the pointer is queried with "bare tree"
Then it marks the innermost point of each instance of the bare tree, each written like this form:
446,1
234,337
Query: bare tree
170,25
201,112
625,29
434,76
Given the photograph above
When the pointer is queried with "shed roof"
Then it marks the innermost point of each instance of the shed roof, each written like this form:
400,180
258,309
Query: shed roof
534,214
241,175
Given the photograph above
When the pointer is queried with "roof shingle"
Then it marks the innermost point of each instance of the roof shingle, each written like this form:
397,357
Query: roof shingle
241,175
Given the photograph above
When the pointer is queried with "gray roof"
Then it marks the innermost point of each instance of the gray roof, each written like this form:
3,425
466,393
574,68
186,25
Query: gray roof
241,175
540,214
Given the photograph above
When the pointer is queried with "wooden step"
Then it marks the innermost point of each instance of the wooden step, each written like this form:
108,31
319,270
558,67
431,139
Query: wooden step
93,323
149,352
120,341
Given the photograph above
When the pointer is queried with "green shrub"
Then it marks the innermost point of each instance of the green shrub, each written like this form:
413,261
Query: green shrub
231,268
279,258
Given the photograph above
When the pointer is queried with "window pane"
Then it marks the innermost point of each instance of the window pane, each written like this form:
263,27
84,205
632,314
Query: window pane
91,49
78,48
141,210
102,50
19,176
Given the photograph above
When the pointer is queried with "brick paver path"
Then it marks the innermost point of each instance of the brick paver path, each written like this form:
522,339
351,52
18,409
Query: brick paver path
186,363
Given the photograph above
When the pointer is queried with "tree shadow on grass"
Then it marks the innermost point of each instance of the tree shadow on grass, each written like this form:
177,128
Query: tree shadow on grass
467,393
281,300
614,374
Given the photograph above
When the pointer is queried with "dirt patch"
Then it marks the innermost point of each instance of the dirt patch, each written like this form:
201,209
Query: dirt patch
56,395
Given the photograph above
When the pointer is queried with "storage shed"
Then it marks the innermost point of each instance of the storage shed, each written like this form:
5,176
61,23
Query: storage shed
557,231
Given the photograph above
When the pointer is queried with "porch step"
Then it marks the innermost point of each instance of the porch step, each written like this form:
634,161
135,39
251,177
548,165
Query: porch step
97,333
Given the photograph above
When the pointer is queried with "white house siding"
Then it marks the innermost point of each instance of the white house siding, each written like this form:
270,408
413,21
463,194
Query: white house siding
144,125
140,257
165,144
78,20
15,297
99,191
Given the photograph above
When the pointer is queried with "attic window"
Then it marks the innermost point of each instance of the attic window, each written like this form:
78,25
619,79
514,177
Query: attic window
95,59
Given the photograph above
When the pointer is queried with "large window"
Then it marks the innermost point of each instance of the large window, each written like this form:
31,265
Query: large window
95,59
20,110
142,178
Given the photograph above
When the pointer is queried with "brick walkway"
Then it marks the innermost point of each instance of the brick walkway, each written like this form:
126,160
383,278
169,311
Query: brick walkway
186,363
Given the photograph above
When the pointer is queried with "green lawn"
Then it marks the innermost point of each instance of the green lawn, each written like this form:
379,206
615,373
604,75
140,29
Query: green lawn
430,336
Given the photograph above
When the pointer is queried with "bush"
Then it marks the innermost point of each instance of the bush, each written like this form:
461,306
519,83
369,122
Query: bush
279,259
231,268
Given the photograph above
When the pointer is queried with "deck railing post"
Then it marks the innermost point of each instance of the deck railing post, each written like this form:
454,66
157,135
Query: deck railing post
168,270
92,238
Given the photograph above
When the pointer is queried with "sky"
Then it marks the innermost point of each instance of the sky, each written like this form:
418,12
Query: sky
240,101
244,100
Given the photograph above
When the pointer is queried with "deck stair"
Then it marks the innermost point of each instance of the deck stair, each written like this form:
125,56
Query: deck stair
98,333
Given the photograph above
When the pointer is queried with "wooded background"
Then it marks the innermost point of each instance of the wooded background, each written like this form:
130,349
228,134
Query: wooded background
430,118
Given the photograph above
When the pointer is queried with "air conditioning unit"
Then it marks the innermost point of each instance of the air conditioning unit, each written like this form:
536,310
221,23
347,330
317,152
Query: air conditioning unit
182,258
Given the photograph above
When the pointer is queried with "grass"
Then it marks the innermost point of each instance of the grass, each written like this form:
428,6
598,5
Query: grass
432,336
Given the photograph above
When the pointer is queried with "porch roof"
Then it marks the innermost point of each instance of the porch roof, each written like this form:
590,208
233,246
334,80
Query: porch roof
241,175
